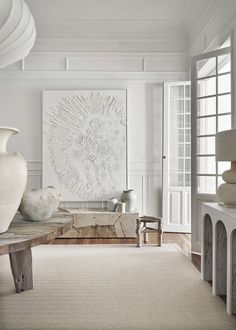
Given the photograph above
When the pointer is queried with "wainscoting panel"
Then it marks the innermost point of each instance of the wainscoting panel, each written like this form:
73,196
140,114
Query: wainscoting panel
136,182
34,174
143,177
154,194
104,64
175,200
44,63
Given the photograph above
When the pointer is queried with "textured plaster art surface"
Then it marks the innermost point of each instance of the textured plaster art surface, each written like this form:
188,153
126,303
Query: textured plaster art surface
84,143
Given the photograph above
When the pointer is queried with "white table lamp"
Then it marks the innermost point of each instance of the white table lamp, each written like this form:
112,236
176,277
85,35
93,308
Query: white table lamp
226,151
17,31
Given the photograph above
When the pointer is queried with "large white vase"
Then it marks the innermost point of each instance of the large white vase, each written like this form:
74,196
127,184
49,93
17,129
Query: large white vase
13,177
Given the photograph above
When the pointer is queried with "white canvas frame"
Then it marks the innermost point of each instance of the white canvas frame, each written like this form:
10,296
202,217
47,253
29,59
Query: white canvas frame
85,143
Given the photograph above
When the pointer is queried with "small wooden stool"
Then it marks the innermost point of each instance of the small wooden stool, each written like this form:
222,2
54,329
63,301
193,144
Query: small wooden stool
142,228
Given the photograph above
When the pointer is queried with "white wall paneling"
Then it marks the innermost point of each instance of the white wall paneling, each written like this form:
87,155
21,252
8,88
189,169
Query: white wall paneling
104,64
24,82
166,62
154,194
104,61
34,174
137,182
144,178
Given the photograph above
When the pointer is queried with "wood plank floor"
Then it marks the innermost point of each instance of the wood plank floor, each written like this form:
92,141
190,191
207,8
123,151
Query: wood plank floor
182,240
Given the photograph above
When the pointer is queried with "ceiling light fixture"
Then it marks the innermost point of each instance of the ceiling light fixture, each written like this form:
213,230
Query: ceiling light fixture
17,31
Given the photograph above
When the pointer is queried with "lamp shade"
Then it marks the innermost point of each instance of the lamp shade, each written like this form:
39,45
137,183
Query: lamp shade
226,145
17,31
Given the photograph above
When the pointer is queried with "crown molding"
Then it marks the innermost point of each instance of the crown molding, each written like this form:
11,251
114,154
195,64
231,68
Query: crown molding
118,29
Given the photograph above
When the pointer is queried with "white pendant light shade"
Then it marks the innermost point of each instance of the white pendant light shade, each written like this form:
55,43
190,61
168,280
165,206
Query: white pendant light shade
17,31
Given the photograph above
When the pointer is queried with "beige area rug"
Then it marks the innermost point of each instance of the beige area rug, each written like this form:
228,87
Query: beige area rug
111,287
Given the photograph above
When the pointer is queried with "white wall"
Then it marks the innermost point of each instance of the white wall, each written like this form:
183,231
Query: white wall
20,103
111,47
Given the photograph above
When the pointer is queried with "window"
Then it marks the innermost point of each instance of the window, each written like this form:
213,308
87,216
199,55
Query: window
213,97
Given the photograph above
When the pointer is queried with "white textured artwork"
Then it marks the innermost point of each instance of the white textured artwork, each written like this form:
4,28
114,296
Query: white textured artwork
84,143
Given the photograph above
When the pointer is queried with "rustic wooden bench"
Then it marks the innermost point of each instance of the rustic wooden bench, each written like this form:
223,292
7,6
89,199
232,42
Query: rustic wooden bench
22,236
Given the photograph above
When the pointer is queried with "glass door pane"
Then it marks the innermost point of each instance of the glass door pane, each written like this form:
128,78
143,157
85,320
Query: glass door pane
179,136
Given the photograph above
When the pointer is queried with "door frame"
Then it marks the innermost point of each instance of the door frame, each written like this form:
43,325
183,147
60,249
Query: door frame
165,163
198,198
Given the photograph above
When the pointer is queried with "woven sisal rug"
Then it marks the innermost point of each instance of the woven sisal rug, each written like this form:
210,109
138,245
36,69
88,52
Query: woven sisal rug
111,287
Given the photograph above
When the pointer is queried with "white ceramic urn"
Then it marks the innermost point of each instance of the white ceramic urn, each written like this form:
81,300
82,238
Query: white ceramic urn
130,199
13,178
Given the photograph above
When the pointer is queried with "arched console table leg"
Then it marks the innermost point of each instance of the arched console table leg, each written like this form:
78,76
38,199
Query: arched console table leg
207,249
221,259
223,251
233,272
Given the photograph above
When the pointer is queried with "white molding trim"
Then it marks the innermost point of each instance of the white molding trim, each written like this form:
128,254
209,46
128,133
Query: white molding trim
108,62
112,35
92,75
111,29
150,166
34,168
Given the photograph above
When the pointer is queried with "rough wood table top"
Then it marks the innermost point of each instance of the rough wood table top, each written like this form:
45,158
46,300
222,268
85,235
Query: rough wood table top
24,234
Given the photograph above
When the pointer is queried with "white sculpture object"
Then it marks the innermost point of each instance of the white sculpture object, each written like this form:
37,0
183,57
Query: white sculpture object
17,31
111,204
84,143
130,199
225,142
13,177
39,205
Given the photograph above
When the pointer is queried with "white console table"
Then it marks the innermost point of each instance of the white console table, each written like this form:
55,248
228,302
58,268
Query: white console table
218,262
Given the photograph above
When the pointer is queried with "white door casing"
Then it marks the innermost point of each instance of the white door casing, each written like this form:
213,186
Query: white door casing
176,157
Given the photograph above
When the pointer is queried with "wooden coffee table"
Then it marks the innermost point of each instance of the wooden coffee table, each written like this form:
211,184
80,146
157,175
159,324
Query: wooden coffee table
21,236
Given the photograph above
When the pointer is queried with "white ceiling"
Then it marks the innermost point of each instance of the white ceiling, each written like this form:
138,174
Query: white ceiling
171,11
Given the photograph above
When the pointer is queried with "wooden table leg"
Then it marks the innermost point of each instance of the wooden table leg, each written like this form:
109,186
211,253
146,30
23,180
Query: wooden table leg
21,268
138,232
145,237
159,233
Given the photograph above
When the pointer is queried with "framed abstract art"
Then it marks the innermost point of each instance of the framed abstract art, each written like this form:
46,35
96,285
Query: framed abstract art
85,143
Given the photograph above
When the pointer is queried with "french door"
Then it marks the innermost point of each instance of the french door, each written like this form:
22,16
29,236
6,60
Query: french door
211,113
177,157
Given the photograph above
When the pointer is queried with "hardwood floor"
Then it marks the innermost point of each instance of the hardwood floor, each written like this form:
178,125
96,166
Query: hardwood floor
182,240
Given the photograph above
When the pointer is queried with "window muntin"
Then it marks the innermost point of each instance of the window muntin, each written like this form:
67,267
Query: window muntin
213,115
